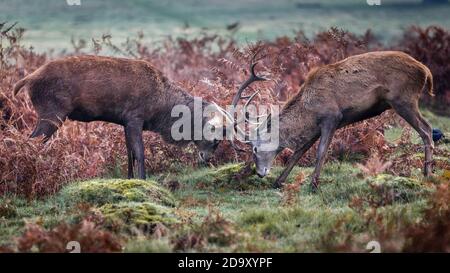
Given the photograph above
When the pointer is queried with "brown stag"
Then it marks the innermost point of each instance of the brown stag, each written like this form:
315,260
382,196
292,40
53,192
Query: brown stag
339,94
127,92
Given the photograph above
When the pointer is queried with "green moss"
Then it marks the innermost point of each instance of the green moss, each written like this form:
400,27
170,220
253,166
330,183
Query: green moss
399,189
228,177
125,204
103,191
131,215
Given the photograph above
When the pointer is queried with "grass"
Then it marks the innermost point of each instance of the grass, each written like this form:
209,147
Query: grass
273,227
257,216
393,134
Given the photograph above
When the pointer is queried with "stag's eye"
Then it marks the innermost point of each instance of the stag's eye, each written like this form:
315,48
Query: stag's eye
255,150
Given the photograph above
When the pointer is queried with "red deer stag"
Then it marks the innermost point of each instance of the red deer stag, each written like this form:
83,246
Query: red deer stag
339,94
128,92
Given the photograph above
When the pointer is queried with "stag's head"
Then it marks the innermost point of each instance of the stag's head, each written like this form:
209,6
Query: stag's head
210,137
264,156
262,136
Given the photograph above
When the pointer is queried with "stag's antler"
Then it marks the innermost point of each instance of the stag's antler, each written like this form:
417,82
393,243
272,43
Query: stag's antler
239,95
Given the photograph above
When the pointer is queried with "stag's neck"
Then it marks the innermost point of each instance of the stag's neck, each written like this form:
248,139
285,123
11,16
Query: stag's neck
297,127
175,96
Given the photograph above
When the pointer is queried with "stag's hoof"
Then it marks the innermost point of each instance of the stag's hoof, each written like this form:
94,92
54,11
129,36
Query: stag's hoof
428,168
278,184
314,186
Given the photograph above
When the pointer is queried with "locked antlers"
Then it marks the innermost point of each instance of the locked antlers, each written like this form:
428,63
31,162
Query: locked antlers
239,95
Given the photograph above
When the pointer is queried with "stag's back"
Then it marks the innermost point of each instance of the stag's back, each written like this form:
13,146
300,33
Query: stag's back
362,82
99,88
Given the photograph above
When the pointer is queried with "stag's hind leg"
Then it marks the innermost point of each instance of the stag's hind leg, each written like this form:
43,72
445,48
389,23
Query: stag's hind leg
410,112
129,154
133,134
426,133
327,129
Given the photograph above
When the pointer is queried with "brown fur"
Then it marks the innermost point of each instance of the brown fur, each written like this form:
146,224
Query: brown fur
354,89
355,86
131,93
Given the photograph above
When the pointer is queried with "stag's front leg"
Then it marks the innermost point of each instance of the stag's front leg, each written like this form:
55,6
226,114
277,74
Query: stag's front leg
129,154
134,137
292,161
327,130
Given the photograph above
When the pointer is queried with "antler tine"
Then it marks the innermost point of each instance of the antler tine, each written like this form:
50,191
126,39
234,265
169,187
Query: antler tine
256,77
230,118
252,78
257,50
250,98
227,115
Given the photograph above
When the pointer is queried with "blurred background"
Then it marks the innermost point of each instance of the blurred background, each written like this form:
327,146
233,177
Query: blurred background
51,24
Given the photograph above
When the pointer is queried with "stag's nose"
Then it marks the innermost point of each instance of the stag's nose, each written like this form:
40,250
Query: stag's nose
262,172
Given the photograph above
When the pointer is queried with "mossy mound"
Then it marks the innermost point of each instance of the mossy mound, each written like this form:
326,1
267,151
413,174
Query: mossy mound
129,215
103,191
235,177
342,183
397,188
